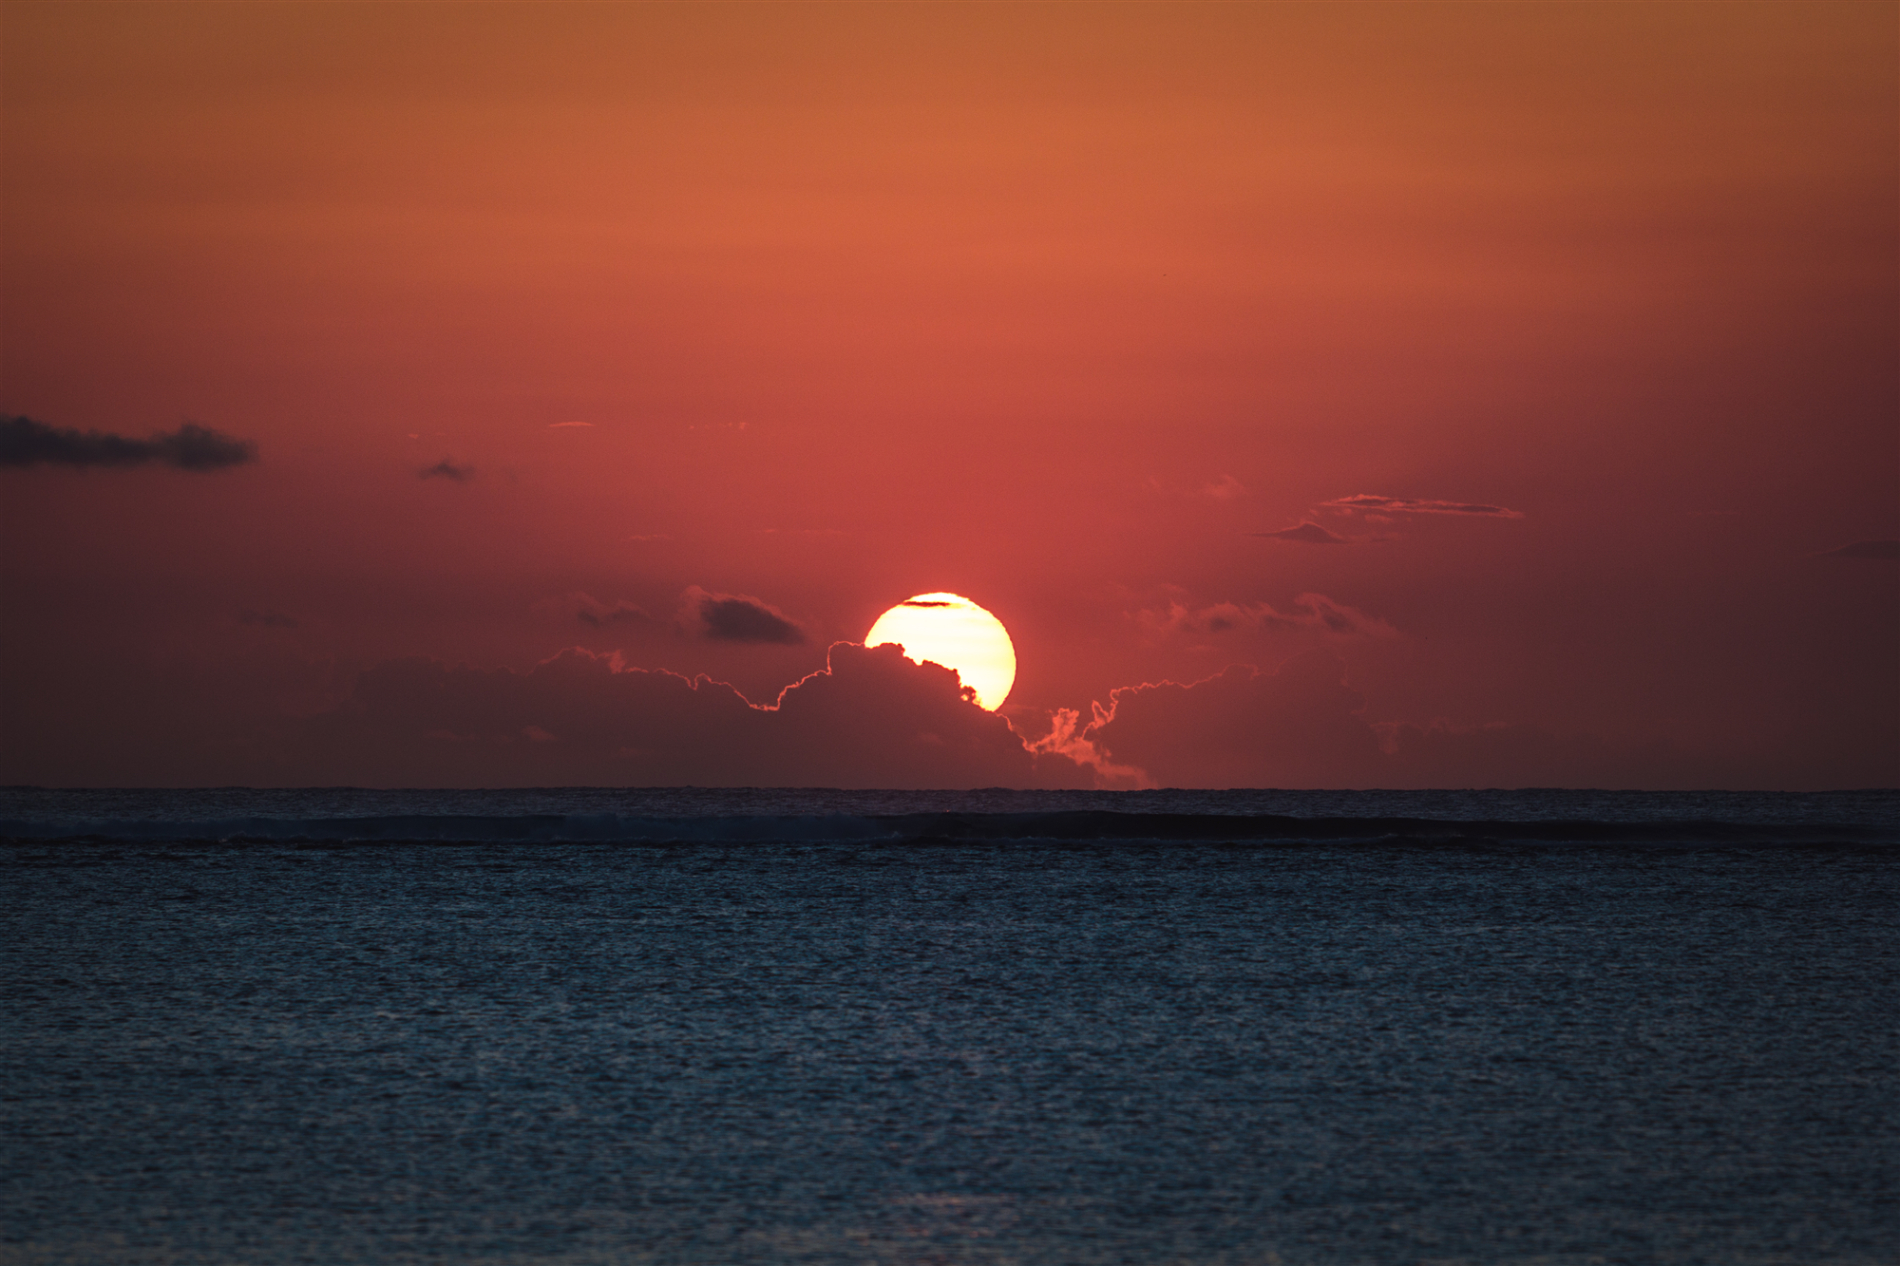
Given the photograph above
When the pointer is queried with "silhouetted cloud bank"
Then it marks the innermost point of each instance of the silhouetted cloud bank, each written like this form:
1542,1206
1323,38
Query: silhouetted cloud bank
870,718
446,469
24,442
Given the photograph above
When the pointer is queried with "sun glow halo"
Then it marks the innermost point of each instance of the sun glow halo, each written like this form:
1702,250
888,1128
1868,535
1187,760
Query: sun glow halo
948,629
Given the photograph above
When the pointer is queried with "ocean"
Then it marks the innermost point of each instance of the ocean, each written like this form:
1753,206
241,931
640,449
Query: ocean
1204,1028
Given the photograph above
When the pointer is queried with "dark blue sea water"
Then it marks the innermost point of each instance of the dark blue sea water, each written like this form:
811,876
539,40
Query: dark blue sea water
995,1027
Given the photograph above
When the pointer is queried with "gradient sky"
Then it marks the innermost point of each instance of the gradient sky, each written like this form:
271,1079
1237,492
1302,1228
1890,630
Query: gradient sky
1322,395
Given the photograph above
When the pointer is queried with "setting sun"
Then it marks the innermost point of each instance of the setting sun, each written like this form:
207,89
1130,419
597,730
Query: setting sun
944,628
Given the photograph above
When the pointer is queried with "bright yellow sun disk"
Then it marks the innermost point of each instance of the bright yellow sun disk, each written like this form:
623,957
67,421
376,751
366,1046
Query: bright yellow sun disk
947,629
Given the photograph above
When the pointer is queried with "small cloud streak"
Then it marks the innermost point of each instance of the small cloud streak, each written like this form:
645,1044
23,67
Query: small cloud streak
1307,533
266,619
446,469
1877,551
24,442
561,426
727,617
594,612
1310,612
1366,502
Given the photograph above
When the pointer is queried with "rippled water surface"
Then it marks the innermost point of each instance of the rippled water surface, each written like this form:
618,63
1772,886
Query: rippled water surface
999,1053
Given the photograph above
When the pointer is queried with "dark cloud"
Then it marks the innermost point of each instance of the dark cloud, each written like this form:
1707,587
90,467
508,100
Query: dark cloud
24,442
1881,551
446,469
1406,505
1307,533
266,619
870,718
725,617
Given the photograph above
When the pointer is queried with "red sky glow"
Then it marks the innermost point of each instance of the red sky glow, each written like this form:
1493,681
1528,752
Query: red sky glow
1323,396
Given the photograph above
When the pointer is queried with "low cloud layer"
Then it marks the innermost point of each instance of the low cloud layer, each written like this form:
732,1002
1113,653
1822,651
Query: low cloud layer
871,718
1365,502
24,442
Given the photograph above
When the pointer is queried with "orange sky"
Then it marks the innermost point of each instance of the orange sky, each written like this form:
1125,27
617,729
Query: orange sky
1059,307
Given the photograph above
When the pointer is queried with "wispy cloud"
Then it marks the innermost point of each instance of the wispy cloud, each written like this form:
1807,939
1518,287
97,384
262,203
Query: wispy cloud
598,614
1366,502
24,442
1311,612
446,469
558,426
1880,551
